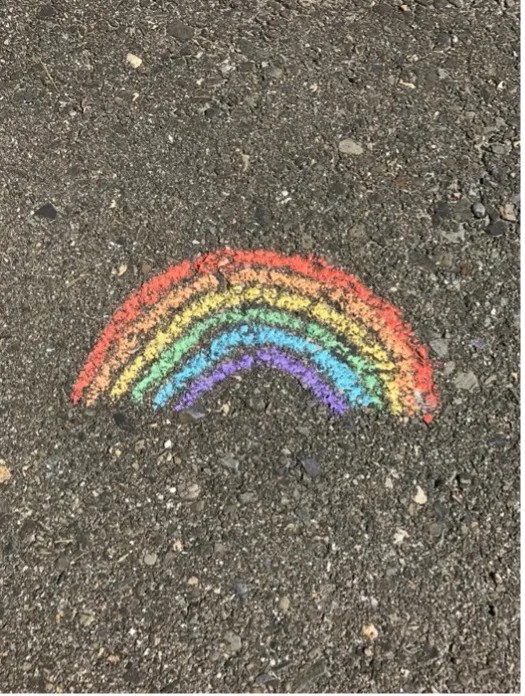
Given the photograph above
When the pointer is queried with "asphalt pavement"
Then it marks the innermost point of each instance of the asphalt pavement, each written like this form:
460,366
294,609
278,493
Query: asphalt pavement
257,543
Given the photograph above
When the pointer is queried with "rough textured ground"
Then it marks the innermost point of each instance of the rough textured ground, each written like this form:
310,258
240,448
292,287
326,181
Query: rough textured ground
110,579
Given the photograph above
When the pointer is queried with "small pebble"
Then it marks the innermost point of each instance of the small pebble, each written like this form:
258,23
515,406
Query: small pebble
258,404
190,491
284,604
248,497
121,421
47,211
146,268
134,60
234,641
400,536
454,236
369,631
229,462
263,216
358,231
308,675
350,147
5,474
462,211
179,30
266,678
412,509
47,12
440,347
311,467
436,529
508,212
420,497
499,148
497,228
86,619
442,211
193,581
192,415
478,343
150,559
449,368
140,446
241,589
466,381
478,210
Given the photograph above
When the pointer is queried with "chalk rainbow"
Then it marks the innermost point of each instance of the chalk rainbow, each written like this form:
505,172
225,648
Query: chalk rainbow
203,320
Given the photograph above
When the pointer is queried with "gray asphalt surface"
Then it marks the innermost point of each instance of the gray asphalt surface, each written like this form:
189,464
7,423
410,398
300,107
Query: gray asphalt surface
111,579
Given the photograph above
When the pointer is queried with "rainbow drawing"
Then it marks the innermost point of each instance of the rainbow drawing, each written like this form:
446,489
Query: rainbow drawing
204,320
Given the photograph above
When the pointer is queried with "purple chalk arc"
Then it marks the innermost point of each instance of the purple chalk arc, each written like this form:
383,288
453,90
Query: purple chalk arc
266,357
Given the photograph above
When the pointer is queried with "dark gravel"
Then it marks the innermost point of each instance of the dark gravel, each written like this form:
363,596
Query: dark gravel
129,565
